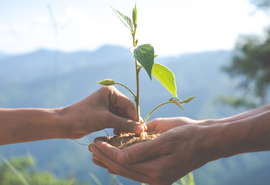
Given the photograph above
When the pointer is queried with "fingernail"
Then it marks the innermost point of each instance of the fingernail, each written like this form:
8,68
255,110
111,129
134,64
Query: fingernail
138,129
123,157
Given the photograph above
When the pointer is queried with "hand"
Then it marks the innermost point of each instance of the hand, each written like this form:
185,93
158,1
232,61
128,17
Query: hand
105,108
164,124
163,160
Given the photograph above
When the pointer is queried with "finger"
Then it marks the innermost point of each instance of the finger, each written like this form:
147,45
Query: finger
145,126
142,167
90,148
127,106
108,150
101,139
143,151
99,164
111,172
123,124
151,125
162,124
116,132
118,169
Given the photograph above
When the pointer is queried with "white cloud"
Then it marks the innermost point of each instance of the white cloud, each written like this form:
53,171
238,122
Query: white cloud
42,19
4,28
21,27
61,19
80,17
7,40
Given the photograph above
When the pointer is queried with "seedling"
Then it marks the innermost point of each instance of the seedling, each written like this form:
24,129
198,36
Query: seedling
144,57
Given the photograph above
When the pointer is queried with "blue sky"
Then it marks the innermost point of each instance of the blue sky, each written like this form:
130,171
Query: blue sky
173,27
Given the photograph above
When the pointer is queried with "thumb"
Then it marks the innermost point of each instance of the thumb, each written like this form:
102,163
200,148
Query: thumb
124,124
140,152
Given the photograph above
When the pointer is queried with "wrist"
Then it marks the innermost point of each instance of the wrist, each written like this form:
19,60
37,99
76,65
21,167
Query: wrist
62,122
224,139
209,143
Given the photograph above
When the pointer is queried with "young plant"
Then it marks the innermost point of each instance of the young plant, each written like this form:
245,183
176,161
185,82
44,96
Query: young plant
144,56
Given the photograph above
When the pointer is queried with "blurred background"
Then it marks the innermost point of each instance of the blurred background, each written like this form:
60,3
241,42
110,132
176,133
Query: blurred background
52,53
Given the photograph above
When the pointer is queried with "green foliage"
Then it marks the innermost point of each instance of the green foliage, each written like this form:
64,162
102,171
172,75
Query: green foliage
166,77
176,101
182,102
20,170
251,67
262,5
125,19
95,179
112,179
134,15
237,102
106,82
145,55
186,180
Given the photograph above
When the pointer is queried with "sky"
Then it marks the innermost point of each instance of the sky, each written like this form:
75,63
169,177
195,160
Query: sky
172,27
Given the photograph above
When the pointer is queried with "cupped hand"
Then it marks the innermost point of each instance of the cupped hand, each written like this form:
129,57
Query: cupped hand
105,108
172,155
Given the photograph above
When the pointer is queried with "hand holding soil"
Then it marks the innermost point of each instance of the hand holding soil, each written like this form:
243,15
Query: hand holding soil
185,145
163,160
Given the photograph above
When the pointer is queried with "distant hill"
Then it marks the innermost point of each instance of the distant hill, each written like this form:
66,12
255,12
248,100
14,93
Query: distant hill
44,63
27,81
3,55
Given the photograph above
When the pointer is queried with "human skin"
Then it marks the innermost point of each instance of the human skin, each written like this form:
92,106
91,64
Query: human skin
185,145
105,108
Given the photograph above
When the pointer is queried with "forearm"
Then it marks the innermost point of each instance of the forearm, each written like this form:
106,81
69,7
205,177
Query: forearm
23,125
250,134
236,117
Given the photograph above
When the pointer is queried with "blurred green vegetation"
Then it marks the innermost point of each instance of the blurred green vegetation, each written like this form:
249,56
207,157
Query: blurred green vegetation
22,170
250,67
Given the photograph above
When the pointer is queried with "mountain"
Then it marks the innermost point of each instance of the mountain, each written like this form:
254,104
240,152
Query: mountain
3,55
53,79
46,64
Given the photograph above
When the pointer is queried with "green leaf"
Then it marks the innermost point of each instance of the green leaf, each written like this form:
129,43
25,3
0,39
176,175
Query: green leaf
71,181
145,55
106,82
134,15
179,102
176,100
112,181
14,170
182,102
166,77
191,179
187,100
95,178
183,180
125,19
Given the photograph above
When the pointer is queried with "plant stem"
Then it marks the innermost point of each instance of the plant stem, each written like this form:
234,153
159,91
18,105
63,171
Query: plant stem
126,88
138,93
154,110
137,102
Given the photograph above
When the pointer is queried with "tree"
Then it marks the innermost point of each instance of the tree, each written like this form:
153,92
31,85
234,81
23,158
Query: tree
262,5
251,67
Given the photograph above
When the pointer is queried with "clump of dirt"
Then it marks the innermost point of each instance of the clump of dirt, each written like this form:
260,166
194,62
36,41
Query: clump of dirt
124,140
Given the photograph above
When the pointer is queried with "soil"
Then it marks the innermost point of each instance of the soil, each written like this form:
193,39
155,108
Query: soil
128,139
